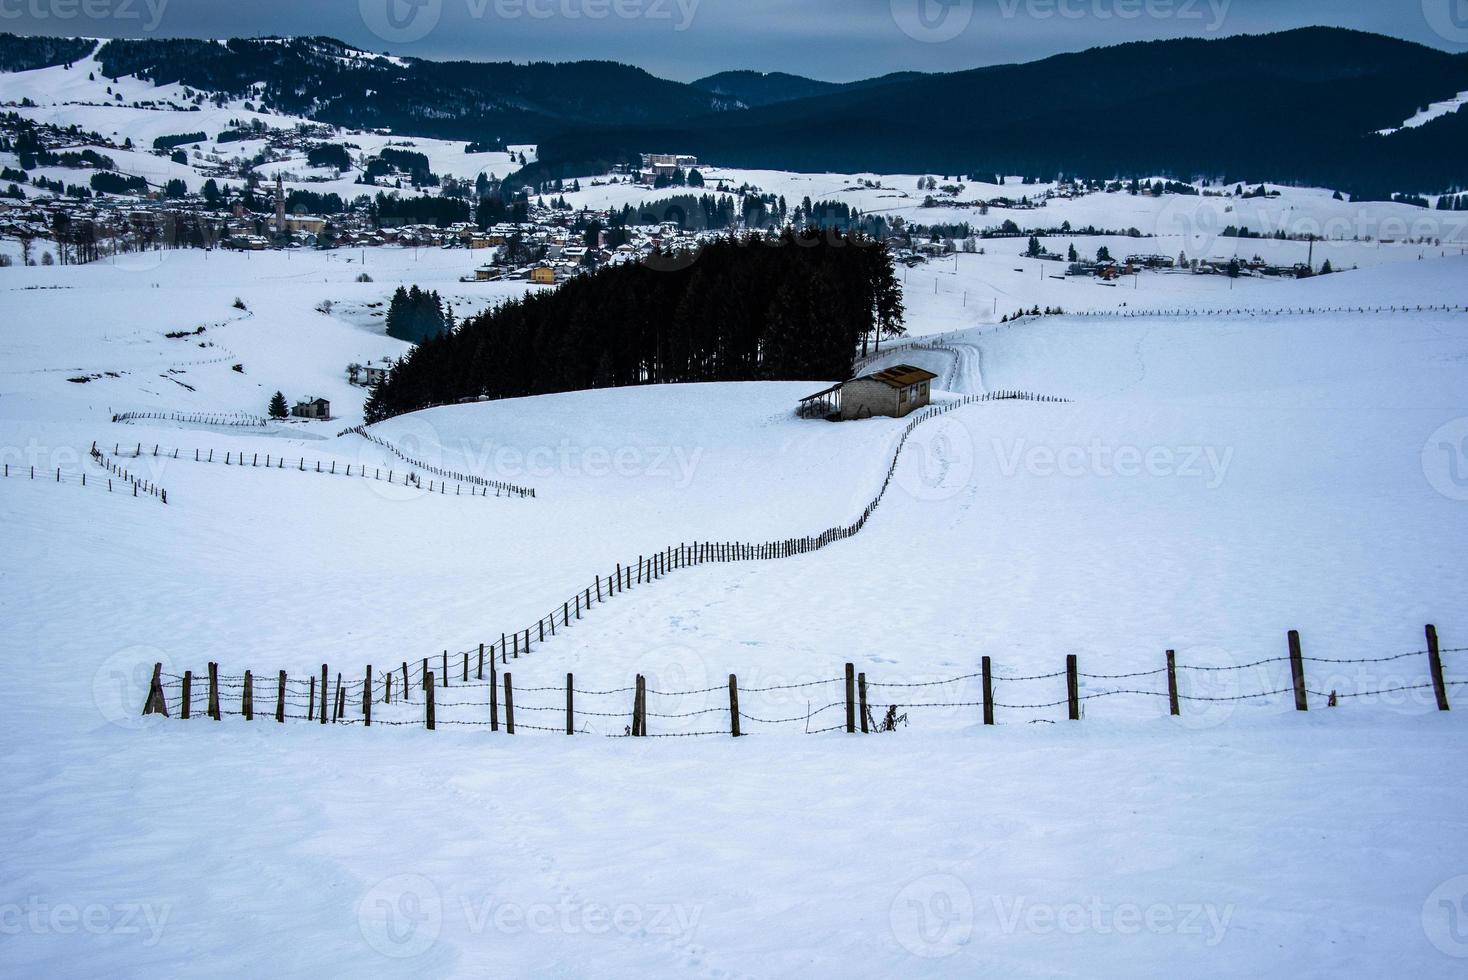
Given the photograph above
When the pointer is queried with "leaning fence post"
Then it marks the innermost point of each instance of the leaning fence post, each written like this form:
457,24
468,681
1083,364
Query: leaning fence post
851,697
280,699
214,690
734,705
156,703
861,688
247,702
988,692
367,699
570,709
311,701
509,705
341,699
428,686
1172,705
1434,663
1297,672
1072,687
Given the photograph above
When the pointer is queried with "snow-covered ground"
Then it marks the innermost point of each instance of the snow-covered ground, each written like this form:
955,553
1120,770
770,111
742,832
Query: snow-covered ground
1215,481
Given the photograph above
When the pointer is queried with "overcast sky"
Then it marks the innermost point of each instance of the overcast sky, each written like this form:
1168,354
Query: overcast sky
838,40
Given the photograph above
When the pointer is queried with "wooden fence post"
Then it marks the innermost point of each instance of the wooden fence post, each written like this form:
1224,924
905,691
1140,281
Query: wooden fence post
509,705
1297,672
280,698
850,698
480,675
428,686
988,692
188,694
311,701
214,690
1072,687
570,708
325,694
465,677
247,702
156,702
341,699
1172,705
367,699
1434,664
445,668
407,688
861,689
494,695
734,705
637,717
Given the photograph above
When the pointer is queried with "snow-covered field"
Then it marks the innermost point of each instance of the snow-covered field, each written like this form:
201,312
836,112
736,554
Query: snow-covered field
1215,481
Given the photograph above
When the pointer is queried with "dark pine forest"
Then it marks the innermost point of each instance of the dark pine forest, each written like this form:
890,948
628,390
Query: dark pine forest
800,306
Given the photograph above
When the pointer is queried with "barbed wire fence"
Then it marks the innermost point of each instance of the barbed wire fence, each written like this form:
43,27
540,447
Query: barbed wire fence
235,419
470,478
117,479
439,691
330,467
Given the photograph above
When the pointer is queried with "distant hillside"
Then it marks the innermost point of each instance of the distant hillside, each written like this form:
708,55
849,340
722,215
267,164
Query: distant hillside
1296,106
753,88
19,53
1299,106
327,80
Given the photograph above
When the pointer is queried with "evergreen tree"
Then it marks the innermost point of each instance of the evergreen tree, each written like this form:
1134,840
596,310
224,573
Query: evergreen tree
278,409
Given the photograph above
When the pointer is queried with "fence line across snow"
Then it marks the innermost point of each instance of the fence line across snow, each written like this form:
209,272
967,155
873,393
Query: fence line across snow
509,488
234,419
429,693
273,461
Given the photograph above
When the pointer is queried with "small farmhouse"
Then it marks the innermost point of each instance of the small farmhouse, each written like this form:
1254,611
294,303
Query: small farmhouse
366,375
316,408
895,392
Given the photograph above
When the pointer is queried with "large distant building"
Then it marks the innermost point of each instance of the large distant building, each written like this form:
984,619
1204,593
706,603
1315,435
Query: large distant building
667,164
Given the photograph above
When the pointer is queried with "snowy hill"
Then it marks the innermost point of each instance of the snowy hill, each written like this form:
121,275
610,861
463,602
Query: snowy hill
1215,481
